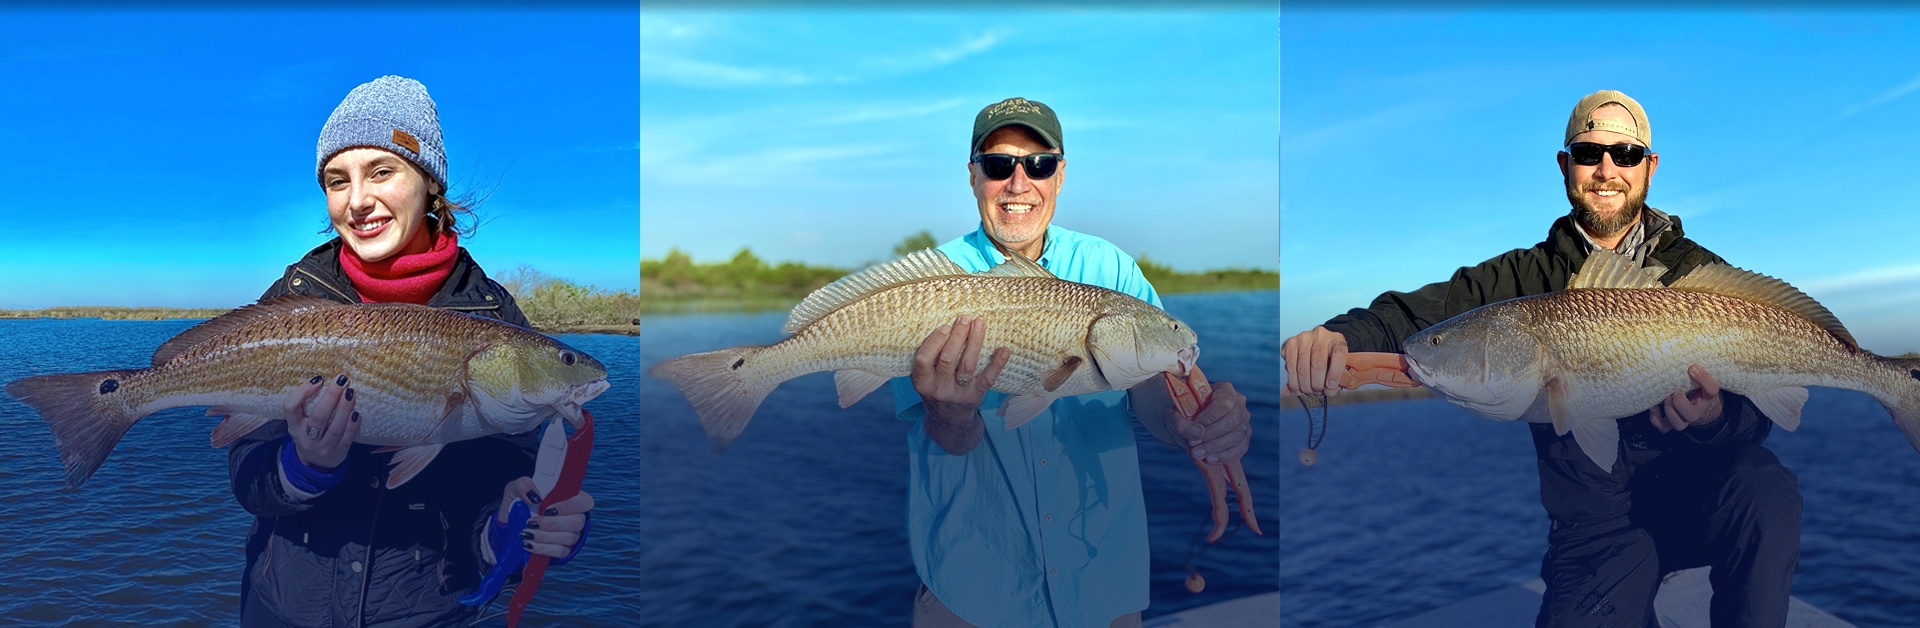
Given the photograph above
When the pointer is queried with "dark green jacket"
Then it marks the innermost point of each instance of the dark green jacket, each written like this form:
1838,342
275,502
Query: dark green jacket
1574,490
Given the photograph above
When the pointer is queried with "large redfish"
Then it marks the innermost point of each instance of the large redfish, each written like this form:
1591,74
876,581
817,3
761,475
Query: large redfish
422,377
1616,343
1066,339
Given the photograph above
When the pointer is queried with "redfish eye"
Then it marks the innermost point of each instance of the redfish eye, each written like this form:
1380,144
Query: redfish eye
567,357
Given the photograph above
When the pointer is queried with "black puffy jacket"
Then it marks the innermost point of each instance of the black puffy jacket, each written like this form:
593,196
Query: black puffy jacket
1574,490
360,554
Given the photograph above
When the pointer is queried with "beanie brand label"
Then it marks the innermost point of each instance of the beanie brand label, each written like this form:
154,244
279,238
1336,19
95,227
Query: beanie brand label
404,139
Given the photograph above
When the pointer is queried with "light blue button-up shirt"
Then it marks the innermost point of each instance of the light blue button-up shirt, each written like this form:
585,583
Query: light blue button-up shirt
1044,525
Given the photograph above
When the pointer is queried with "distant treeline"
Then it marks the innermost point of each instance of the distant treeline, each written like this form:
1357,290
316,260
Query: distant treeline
552,305
116,313
676,284
555,305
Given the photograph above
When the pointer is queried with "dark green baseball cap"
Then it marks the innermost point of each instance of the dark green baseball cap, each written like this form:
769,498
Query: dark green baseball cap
1032,114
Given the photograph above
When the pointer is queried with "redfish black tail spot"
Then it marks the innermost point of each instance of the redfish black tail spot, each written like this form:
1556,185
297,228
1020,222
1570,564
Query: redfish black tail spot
742,362
109,385
1914,373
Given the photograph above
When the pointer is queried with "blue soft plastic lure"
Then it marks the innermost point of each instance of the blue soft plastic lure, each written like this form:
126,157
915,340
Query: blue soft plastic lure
508,559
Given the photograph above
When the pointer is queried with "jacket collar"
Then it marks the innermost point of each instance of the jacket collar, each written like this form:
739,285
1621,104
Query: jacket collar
465,289
1662,230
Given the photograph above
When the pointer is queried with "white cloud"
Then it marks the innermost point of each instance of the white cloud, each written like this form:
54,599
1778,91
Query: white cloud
890,111
1888,96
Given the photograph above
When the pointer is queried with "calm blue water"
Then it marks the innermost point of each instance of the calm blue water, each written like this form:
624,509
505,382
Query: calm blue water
1419,504
803,521
155,537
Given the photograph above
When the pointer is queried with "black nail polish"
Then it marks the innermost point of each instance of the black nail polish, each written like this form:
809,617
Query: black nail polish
315,380
527,535
552,512
533,524
533,497
527,544
342,380
349,394
356,416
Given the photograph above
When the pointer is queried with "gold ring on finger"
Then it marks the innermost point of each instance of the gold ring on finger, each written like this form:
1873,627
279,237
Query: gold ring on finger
963,381
313,432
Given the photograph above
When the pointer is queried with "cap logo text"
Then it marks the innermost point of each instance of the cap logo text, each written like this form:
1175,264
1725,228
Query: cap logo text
1012,106
405,139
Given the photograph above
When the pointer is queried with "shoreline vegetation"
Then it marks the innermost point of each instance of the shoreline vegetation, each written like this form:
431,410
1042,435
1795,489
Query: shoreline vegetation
676,284
552,305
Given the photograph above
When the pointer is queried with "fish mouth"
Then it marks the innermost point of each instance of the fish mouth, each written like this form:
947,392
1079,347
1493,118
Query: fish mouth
577,396
1416,372
1186,359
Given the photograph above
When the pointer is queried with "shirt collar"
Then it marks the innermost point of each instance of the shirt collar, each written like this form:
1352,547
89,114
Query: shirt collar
983,243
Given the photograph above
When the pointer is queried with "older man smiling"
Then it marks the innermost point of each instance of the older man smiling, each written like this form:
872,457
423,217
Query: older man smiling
1043,525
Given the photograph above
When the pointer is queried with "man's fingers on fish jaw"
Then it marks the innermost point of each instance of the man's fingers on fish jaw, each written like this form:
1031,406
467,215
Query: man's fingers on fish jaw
1222,437
1226,402
1227,452
1336,362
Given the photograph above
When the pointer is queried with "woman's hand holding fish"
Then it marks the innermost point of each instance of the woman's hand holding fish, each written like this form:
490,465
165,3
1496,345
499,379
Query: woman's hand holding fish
323,433
553,532
949,388
1316,360
1221,432
1684,408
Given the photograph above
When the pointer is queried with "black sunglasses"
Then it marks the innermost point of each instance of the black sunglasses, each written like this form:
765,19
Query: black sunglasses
1624,155
999,166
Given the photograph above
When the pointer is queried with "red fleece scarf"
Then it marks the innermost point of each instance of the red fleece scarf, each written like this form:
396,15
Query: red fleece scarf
403,278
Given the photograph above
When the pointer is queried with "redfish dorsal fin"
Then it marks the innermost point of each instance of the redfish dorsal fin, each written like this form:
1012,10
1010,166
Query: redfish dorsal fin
235,319
1728,281
1607,269
916,266
1019,266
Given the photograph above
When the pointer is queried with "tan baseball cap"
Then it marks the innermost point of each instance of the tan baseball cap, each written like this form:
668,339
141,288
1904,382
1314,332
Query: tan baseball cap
1582,119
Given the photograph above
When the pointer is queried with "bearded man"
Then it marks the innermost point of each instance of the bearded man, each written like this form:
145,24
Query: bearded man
1693,485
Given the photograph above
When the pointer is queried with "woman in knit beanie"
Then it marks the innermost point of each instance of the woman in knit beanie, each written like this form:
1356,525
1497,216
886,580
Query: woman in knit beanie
331,543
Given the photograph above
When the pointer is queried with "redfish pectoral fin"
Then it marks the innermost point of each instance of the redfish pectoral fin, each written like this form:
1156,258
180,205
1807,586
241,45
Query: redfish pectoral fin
1782,405
1600,440
410,461
1020,409
234,427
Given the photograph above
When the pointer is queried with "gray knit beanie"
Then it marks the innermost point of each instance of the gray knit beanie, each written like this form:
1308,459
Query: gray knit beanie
391,113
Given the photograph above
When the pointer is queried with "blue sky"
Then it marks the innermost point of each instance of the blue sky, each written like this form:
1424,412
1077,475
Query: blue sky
1417,142
828,135
166,158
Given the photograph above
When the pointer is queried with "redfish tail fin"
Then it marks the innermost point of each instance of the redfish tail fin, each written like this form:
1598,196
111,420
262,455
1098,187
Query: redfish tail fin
85,412
719,385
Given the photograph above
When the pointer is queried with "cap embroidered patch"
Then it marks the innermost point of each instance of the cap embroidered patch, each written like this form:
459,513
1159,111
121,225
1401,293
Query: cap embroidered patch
1012,106
404,139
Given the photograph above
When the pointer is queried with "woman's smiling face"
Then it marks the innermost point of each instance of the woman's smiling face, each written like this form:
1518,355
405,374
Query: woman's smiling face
378,202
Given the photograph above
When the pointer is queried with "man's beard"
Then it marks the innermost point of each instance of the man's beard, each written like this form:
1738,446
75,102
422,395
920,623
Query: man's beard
1601,225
